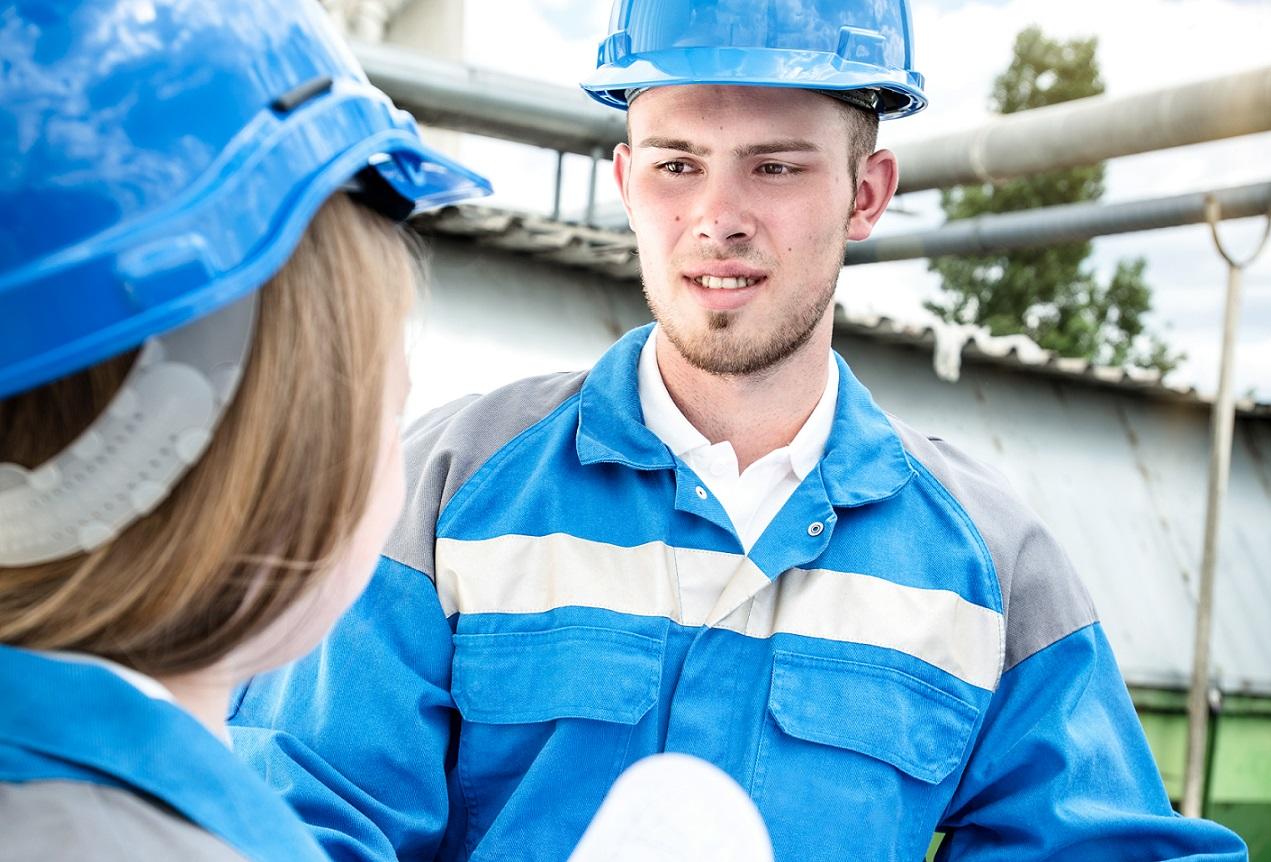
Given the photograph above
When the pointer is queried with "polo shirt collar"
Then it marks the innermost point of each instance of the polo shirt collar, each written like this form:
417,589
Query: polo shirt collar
808,446
661,414
863,459
665,419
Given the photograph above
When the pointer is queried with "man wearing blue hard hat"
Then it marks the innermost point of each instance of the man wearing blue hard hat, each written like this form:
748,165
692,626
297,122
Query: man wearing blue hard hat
715,543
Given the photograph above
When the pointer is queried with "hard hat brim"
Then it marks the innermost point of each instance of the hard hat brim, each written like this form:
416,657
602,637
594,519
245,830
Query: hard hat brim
755,67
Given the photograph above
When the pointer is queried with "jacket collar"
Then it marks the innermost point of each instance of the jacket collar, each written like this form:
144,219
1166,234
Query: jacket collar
610,420
80,722
864,459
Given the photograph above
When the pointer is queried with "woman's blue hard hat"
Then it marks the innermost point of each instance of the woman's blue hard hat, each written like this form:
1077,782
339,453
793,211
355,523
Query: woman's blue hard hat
160,159
864,45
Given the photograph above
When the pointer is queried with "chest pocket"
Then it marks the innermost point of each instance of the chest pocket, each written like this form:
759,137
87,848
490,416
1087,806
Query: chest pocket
567,672
540,708
857,752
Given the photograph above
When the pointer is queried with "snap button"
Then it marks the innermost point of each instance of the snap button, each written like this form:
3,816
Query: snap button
701,492
815,528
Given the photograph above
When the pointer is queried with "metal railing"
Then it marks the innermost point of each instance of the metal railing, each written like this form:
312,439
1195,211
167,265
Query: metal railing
988,234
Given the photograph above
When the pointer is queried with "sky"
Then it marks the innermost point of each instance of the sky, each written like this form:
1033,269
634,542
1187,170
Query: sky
960,46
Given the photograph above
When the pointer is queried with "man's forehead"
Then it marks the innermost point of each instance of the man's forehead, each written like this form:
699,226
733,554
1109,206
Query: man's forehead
746,115
720,97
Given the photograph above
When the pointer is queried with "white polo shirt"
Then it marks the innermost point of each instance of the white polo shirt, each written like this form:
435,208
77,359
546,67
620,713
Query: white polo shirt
753,498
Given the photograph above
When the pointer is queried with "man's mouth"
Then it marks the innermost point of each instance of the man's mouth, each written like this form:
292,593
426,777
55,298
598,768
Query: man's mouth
712,282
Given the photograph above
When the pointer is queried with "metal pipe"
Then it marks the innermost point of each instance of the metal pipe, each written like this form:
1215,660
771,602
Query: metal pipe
1085,131
596,155
1048,226
1219,471
466,99
560,179
369,19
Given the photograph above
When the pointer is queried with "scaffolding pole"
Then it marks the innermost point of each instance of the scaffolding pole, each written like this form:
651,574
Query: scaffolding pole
1223,421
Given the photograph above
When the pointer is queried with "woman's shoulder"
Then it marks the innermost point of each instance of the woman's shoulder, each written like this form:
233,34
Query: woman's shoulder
76,820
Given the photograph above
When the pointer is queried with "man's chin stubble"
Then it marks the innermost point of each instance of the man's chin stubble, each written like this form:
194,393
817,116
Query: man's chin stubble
734,360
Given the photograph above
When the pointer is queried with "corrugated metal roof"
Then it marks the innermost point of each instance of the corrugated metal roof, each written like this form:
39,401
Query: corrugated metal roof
612,253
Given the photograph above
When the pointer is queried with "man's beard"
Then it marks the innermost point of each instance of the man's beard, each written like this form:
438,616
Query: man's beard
721,350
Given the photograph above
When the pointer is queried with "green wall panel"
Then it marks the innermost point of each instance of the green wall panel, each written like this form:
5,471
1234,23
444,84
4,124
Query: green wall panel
1242,760
1239,794
1167,737
1251,822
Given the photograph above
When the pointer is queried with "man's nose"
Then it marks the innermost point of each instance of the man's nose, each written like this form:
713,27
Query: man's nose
724,212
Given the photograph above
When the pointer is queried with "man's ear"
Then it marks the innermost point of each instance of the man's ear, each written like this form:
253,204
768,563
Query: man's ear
874,190
621,174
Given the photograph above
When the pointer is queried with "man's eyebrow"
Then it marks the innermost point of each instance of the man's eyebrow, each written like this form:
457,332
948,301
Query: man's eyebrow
785,145
674,144
788,145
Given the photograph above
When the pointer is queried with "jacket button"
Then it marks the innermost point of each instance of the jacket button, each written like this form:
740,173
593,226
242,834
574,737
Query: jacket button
815,528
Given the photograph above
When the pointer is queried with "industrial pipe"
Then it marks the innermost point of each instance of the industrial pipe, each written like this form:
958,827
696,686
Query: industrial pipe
1049,226
466,99
1087,131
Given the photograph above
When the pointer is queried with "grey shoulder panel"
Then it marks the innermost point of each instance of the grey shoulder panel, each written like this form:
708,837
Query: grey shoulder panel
69,821
1042,596
447,446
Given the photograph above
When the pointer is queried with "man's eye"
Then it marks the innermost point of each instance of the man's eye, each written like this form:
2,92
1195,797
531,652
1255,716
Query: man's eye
674,167
773,169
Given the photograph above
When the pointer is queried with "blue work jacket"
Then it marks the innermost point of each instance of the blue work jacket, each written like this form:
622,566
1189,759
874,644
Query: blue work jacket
905,649
65,721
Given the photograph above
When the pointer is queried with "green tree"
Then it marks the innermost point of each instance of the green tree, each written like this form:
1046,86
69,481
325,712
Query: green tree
1049,294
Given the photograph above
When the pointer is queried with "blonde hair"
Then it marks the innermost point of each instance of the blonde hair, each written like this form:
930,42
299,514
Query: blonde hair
275,498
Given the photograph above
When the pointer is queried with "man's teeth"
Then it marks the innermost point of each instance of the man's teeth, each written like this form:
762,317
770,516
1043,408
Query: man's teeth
710,281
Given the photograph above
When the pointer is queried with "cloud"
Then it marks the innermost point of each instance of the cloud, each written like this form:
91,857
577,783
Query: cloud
552,40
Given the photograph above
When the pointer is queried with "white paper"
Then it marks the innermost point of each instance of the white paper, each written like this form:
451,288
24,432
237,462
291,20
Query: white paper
675,808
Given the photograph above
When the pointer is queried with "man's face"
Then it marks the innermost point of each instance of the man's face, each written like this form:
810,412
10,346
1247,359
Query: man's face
741,199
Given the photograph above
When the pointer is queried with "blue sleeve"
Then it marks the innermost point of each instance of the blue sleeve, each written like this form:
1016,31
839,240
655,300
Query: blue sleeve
355,735
1062,770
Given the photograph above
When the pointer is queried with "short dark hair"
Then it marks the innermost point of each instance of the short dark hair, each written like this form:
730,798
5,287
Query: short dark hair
862,133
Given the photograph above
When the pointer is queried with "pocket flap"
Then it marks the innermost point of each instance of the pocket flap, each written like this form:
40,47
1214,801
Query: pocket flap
568,672
871,709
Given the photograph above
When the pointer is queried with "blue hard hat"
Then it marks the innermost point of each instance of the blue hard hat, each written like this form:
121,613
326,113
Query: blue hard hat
160,159
862,45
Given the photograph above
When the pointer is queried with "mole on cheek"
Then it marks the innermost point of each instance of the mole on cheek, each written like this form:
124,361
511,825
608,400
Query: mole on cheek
677,218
